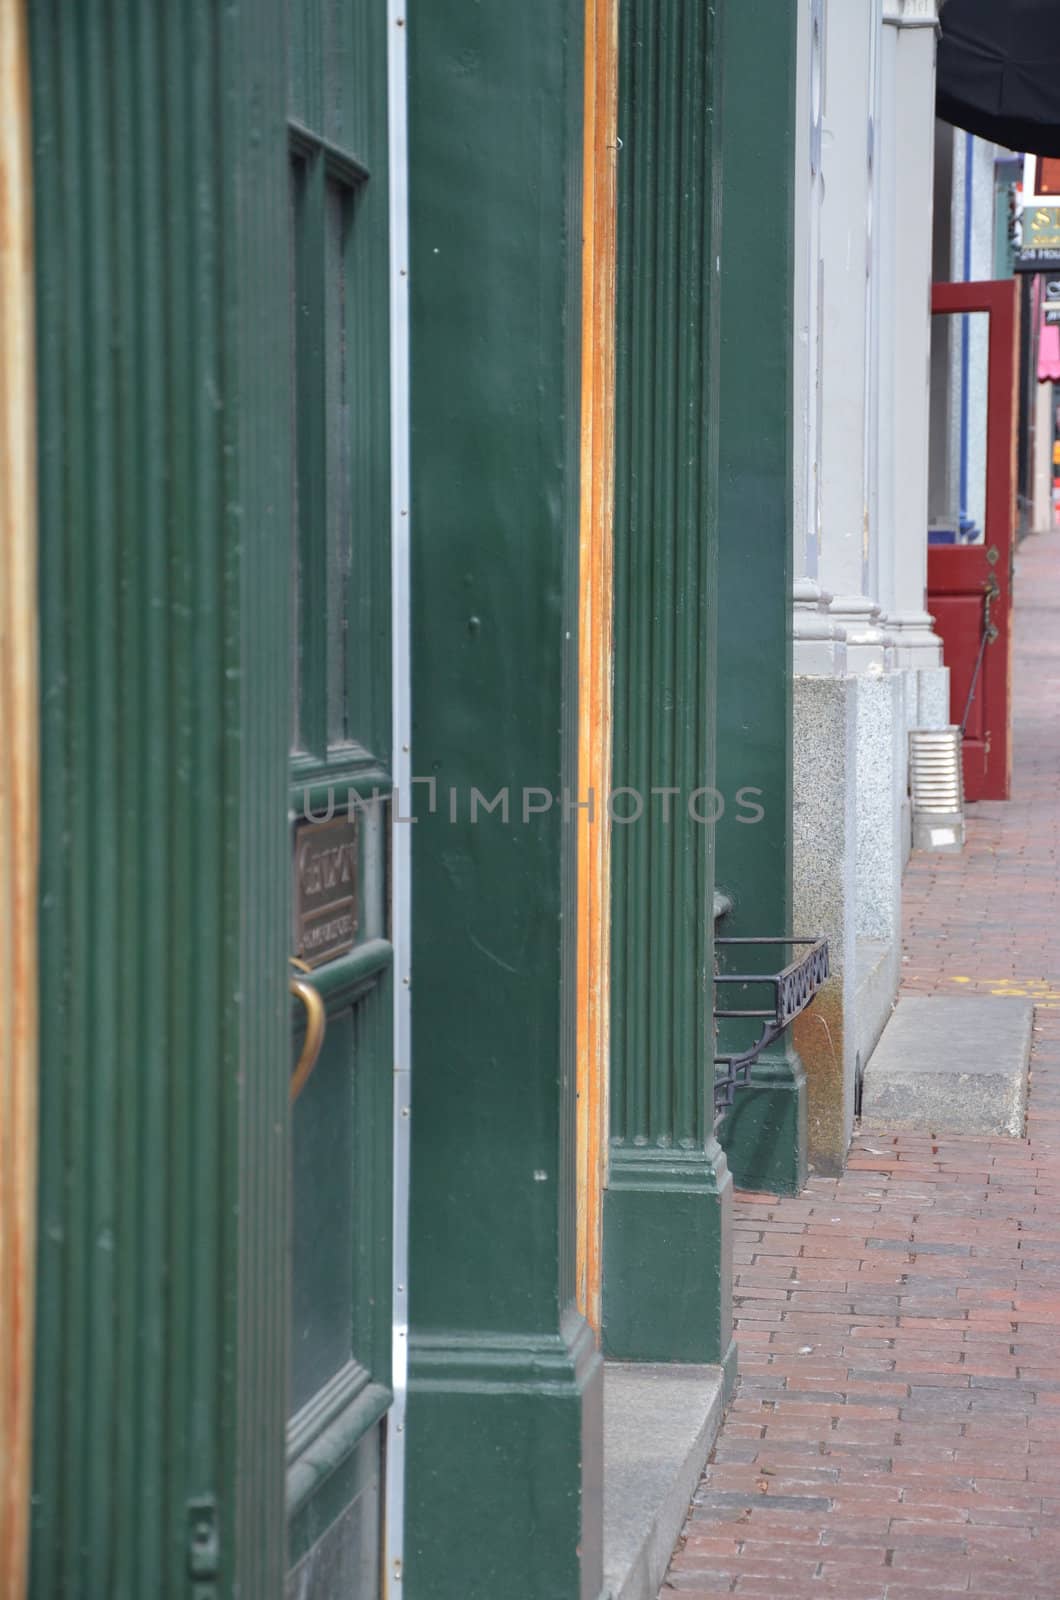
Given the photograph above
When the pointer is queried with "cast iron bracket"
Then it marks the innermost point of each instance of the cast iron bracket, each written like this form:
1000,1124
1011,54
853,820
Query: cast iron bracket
792,990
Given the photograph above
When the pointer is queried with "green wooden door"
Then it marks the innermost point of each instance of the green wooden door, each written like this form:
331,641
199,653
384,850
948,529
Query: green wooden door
212,283
341,1120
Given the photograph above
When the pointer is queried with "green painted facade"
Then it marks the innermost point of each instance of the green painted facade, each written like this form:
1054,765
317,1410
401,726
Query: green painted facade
213,1341
667,1211
163,330
505,1384
764,1134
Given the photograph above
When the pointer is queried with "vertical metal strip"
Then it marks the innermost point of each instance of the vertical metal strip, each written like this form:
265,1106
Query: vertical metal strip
19,734
401,887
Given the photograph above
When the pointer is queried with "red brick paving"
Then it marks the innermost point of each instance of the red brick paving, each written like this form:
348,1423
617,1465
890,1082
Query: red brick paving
895,1433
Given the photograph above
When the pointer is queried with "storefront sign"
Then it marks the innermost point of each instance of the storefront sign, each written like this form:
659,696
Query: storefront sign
325,889
1040,244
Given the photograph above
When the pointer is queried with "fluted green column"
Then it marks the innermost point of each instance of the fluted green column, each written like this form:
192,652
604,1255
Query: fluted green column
765,1133
667,1258
161,211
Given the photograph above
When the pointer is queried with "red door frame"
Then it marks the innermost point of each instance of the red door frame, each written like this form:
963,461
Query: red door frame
960,575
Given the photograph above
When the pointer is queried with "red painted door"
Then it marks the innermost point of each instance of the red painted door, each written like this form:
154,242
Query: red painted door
970,583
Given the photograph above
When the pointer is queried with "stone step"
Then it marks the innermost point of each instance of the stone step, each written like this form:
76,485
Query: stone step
951,1064
660,1423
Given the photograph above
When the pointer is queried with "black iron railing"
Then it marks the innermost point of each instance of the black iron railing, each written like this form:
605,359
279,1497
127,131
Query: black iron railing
791,990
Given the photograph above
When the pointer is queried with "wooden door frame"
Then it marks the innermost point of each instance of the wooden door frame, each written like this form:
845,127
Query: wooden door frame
19,782
594,644
996,297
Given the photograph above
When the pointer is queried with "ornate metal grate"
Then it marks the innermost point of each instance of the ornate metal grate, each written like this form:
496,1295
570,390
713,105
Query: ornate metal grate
792,990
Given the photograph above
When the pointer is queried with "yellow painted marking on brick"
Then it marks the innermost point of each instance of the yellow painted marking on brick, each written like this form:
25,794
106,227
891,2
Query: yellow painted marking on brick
1045,994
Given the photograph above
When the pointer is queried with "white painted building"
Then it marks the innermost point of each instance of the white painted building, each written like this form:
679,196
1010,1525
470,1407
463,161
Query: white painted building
868,662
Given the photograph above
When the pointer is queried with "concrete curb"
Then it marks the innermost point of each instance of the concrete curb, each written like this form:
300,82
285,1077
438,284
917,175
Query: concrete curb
660,1423
951,1064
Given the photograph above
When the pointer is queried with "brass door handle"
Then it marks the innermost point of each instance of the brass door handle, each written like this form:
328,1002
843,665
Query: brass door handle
315,1023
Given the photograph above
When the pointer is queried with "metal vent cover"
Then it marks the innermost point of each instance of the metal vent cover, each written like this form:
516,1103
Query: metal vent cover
936,787
936,779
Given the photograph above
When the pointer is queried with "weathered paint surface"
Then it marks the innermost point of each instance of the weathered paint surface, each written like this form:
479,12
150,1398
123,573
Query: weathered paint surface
764,1135
667,1214
19,740
819,1038
160,166
504,1398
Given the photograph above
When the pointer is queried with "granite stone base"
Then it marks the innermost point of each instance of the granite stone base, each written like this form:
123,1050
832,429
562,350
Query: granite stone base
824,851
878,971
933,698
881,740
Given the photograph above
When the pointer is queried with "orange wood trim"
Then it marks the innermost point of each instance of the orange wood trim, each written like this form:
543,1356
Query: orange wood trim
594,666
18,803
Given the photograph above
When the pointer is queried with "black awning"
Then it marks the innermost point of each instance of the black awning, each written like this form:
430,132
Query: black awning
999,71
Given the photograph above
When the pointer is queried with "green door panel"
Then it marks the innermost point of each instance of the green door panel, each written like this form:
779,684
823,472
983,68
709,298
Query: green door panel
341,1123
341,1188
322,1171
335,1542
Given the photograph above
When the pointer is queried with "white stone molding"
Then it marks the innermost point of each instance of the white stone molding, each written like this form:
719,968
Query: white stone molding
912,13
820,641
869,647
907,123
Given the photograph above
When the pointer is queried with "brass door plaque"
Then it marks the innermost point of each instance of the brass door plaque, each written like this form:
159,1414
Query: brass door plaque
326,906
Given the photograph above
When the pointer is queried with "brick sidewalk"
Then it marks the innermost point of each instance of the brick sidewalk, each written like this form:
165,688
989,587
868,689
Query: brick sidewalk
896,1429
